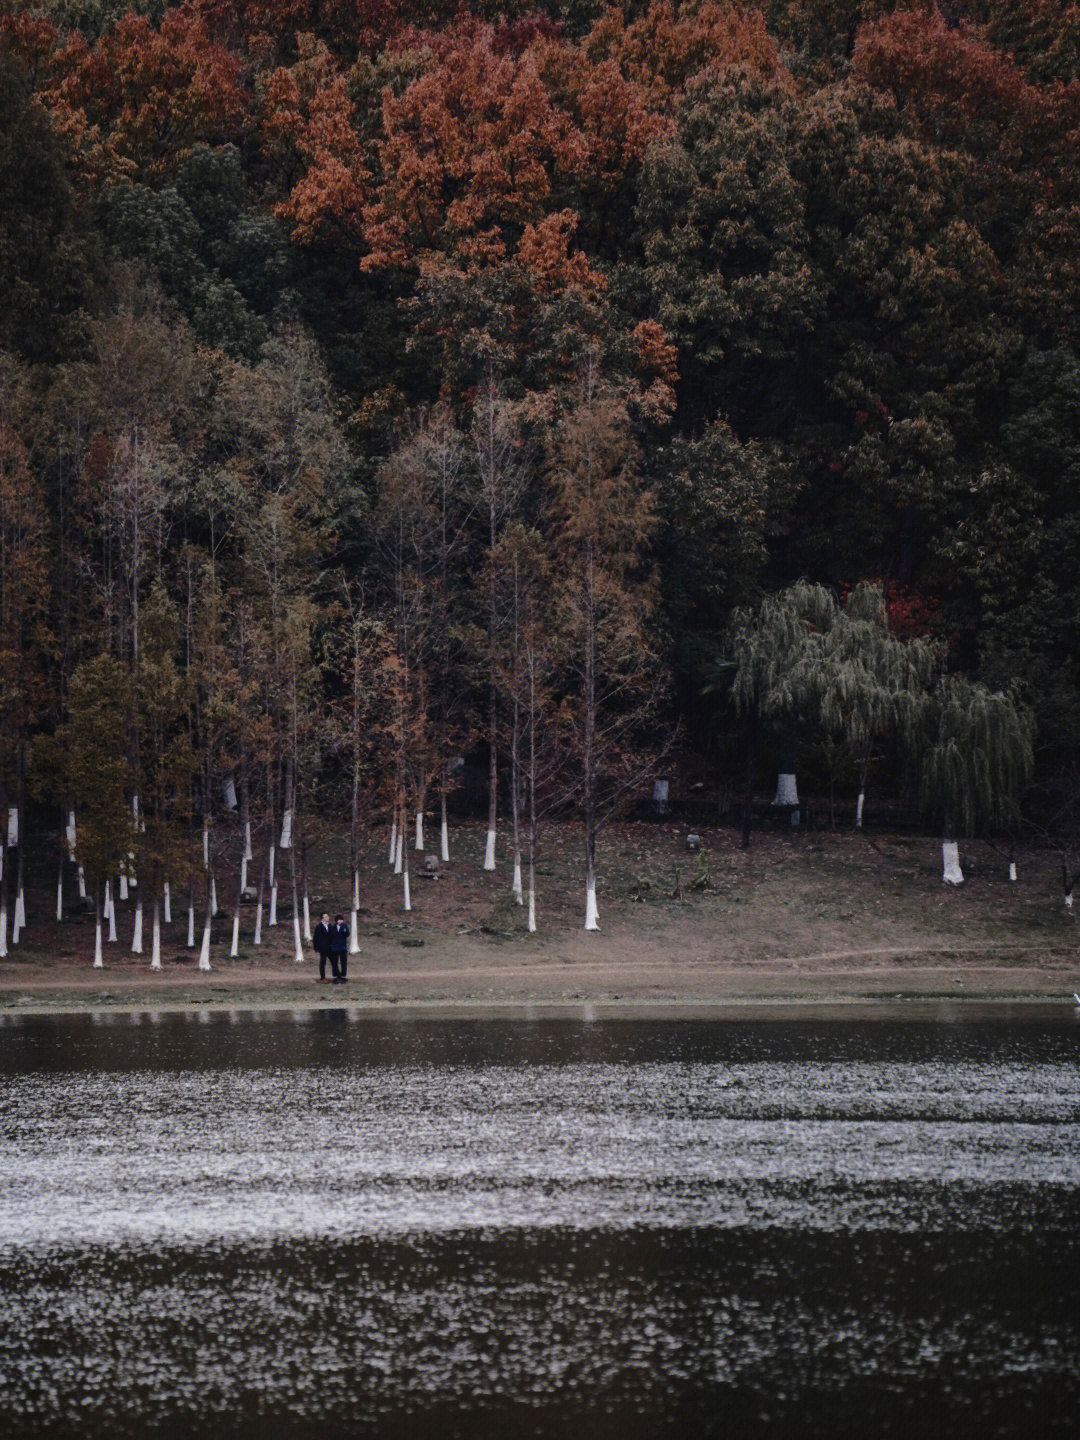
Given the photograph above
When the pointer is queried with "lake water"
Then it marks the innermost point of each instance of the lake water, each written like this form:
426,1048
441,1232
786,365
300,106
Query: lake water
323,1224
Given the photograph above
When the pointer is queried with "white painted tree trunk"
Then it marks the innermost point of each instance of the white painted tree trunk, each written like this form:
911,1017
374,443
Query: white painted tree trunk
206,847
532,899
271,918
13,826
155,940
136,934
234,948
489,851
228,792
112,914
1012,869
213,896
249,854
354,934
285,843
298,949
243,873
444,836
270,866
307,918
191,927
406,894
69,835
99,959
204,949
20,909
787,792
859,811
106,909
3,931
123,886
399,854
393,840
950,863
356,889
60,896
419,830
1068,899
592,914
516,887
82,883
256,939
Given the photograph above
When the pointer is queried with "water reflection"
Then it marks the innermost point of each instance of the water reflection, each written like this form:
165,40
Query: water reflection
332,1226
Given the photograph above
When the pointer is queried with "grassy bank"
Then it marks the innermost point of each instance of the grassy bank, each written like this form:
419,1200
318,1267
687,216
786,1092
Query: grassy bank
799,917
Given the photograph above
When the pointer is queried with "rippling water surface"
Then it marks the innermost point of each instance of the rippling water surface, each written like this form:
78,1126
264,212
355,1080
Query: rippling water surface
290,1226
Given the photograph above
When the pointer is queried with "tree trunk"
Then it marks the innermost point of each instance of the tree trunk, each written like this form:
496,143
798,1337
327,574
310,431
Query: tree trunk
298,949
256,938
444,830
204,951
155,943
592,916
110,904
748,782
136,935
950,863
99,962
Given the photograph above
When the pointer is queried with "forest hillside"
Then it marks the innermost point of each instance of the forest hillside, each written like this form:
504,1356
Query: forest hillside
429,406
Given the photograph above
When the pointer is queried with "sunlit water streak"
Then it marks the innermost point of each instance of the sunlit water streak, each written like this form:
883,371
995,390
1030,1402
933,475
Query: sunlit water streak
531,1230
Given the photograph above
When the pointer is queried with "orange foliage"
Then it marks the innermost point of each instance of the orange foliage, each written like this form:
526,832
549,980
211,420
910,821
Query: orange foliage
669,45
142,98
476,148
960,91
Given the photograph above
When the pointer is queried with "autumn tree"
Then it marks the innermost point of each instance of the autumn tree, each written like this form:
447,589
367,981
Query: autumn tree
86,764
24,649
600,520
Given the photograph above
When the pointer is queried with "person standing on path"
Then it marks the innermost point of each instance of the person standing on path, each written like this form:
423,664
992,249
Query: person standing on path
339,950
321,940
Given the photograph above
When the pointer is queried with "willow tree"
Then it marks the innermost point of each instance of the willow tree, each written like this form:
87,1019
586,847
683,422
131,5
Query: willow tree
601,518
859,681
770,657
972,750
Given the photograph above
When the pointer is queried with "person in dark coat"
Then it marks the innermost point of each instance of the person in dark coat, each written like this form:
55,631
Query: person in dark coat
321,940
339,950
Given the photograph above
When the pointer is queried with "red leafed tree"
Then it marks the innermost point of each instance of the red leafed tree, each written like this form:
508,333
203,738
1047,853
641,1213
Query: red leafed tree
959,90
142,97
669,44
476,150
307,110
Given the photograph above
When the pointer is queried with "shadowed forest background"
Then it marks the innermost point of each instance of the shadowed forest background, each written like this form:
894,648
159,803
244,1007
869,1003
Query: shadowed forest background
390,386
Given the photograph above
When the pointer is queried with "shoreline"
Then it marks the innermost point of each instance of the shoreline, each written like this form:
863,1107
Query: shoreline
866,984
821,920
943,1009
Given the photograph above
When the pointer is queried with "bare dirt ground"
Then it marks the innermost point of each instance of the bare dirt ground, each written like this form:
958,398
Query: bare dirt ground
814,917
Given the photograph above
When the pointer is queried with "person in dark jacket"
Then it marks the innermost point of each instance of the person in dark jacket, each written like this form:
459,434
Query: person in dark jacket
339,950
321,940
